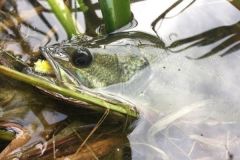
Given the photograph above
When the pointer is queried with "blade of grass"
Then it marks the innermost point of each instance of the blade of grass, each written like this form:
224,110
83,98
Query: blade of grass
116,13
63,14
120,108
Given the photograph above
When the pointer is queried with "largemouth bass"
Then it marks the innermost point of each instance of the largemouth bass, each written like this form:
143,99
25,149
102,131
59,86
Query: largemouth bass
91,66
93,63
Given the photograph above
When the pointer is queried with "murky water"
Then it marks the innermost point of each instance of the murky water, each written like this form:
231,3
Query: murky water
189,106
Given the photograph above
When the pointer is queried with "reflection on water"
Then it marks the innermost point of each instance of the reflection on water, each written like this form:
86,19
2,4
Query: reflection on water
195,101
189,106
227,35
45,129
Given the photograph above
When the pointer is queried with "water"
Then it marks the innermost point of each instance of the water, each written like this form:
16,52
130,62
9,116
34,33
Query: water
189,109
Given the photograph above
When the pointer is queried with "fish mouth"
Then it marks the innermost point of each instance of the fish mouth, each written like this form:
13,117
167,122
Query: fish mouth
60,73
47,52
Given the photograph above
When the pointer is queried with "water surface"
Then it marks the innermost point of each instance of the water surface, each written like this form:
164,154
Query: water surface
190,104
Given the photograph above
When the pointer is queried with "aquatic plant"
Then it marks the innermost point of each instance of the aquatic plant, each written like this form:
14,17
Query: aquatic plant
64,15
115,13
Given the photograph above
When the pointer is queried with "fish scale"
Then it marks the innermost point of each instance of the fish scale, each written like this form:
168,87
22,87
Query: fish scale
117,59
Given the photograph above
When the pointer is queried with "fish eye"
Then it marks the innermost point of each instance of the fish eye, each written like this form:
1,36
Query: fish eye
82,57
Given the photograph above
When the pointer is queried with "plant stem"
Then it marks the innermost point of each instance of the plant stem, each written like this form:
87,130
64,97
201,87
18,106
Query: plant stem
63,14
116,13
91,99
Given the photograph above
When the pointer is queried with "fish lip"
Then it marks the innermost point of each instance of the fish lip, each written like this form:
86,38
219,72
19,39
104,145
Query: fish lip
46,52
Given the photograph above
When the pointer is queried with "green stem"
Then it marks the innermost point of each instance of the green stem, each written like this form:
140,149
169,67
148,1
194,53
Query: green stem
64,16
120,108
116,13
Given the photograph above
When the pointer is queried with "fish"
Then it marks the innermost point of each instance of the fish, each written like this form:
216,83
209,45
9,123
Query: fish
106,66
121,61
86,62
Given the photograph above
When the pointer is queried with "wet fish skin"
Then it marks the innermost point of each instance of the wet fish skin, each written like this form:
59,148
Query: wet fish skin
115,59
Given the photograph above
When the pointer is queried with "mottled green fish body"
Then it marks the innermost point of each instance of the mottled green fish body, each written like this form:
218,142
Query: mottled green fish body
101,62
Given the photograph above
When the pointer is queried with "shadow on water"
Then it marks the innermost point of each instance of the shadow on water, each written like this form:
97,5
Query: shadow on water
227,35
156,24
230,35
